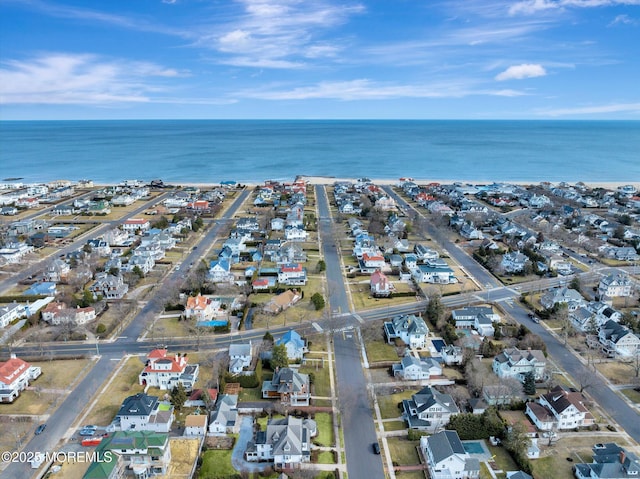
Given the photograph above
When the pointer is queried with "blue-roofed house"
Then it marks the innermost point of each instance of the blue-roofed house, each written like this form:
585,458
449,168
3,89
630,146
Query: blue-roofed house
220,271
295,344
45,288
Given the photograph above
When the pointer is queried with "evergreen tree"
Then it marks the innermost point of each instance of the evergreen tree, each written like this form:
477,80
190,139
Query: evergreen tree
279,358
178,396
529,387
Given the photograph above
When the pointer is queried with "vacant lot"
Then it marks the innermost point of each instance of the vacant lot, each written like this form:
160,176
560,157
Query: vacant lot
380,351
403,452
389,403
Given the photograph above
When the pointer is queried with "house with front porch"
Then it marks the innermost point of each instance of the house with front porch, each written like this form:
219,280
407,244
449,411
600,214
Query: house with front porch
294,343
370,262
57,271
109,286
610,461
220,271
224,418
15,376
289,386
618,340
240,356
615,285
447,458
165,372
10,313
292,274
409,328
380,285
434,273
285,441
414,369
515,364
429,410
141,412
566,409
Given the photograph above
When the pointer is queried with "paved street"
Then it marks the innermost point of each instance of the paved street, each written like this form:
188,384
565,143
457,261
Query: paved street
355,408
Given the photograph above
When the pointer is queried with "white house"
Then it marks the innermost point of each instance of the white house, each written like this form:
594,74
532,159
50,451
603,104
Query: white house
515,363
618,341
136,224
15,376
565,407
411,329
220,271
164,372
10,313
615,284
429,409
514,262
447,458
195,425
414,369
434,273
144,413
240,356
292,274
380,285
286,442
224,418
59,313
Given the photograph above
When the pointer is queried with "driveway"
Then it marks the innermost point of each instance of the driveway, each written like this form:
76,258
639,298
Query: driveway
237,456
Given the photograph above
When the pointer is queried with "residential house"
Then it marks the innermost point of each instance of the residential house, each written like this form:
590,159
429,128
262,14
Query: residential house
572,298
224,418
411,329
56,313
515,363
288,385
371,262
13,252
429,409
220,271
470,232
42,288
295,344
15,376
500,395
434,273
618,341
424,253
145,453
240,356
447,458
292,274
566,408
201,308
57,271
143,413
109,286
285,441
480,318
295,233
614,285
380,285
514,262
277,224
410,261
281,301
414,369
10,313
195,425
165,372
610,461
202,397
99,246
134,225
451,355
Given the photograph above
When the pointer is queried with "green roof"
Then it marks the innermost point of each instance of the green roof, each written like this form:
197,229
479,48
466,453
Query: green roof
103,469
134,440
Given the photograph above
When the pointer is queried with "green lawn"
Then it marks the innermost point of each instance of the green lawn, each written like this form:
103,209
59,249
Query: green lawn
503,459
321,383
379,351
394,426
326,457
215,464
250,394
389,404
633,396
325,429
403,452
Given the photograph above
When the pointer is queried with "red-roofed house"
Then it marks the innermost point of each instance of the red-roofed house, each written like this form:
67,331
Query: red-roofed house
292,274
197,397
380,285
134,224
201,308
165,372
198,205
15,375
370,263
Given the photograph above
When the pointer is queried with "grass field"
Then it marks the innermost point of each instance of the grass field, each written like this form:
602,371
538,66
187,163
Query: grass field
403,452
394,425
379,351
321,386
216,463
632,395
324,422
617,372
389,404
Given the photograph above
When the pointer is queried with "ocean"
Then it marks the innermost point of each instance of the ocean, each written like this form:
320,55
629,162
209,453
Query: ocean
203,151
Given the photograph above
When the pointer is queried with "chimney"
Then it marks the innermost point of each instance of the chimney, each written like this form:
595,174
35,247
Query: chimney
623,456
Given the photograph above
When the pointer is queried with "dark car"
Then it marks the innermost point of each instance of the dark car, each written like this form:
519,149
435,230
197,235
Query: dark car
40,429
376,448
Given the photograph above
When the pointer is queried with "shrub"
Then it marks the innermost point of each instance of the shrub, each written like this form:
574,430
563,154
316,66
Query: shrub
101,328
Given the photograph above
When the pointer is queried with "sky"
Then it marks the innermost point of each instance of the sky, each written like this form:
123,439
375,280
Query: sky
308,59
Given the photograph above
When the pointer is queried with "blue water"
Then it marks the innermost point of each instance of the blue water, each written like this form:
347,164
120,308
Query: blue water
251,151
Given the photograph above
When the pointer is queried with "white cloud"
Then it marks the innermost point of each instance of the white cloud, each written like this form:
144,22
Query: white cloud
61,78
520,72
534,6
365,89
623,20
594,109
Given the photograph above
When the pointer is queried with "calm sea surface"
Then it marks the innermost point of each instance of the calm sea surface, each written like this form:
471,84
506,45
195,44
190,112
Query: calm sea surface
252,151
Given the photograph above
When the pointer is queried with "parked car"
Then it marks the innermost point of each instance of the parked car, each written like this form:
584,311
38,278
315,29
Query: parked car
376,448
40,429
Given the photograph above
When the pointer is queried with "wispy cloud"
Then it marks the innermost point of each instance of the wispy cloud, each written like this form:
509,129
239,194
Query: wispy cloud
520,72
624,20
593,109
365,89
279,34
535,6
60,78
